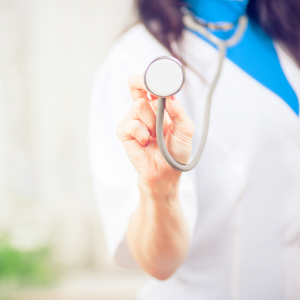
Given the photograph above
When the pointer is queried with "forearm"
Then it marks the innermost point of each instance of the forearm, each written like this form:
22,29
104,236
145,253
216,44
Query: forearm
158,236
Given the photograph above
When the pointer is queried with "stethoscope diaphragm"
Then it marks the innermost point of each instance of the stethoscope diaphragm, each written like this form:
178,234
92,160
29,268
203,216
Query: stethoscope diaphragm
164,77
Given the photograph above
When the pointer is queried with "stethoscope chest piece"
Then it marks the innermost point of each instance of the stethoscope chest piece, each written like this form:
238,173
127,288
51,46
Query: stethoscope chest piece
164,77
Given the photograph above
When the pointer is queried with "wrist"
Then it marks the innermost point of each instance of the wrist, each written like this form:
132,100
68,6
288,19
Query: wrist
164,190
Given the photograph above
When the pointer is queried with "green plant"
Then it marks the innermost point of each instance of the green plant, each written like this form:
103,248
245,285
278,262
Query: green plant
24,268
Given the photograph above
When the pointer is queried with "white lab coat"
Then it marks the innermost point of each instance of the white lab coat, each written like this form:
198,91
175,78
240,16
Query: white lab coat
241,203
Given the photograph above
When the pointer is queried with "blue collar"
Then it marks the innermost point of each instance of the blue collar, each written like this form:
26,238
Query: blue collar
218,10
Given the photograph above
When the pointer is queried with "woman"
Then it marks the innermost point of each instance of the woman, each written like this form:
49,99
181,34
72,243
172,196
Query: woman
229,229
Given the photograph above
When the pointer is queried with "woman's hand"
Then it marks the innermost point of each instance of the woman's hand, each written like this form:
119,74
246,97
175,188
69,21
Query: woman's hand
157,234
137,133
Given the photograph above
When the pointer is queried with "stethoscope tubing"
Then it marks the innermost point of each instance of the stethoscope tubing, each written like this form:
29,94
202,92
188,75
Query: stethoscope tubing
222,46
160,123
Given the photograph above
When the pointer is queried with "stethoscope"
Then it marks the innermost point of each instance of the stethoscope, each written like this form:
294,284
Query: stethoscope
165,76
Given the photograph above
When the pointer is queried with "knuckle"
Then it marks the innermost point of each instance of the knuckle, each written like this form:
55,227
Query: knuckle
133,80
141,102
134,127
145,137
130,81
140,105
144,141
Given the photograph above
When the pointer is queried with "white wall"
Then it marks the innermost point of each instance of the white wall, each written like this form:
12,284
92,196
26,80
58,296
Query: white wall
49,53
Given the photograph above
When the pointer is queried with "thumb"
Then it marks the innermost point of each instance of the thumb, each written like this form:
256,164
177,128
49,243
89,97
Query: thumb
176,111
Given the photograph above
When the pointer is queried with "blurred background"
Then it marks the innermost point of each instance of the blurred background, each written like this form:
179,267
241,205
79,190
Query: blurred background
51,241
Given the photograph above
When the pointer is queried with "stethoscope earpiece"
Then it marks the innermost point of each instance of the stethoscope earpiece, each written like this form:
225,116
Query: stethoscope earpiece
164,76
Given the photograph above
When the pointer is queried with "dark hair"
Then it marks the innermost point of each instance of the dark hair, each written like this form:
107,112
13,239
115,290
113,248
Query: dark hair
280,19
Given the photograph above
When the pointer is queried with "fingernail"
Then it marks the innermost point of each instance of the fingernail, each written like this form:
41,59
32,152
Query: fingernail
172,97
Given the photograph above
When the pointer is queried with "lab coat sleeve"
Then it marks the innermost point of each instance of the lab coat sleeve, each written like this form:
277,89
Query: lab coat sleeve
114,178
